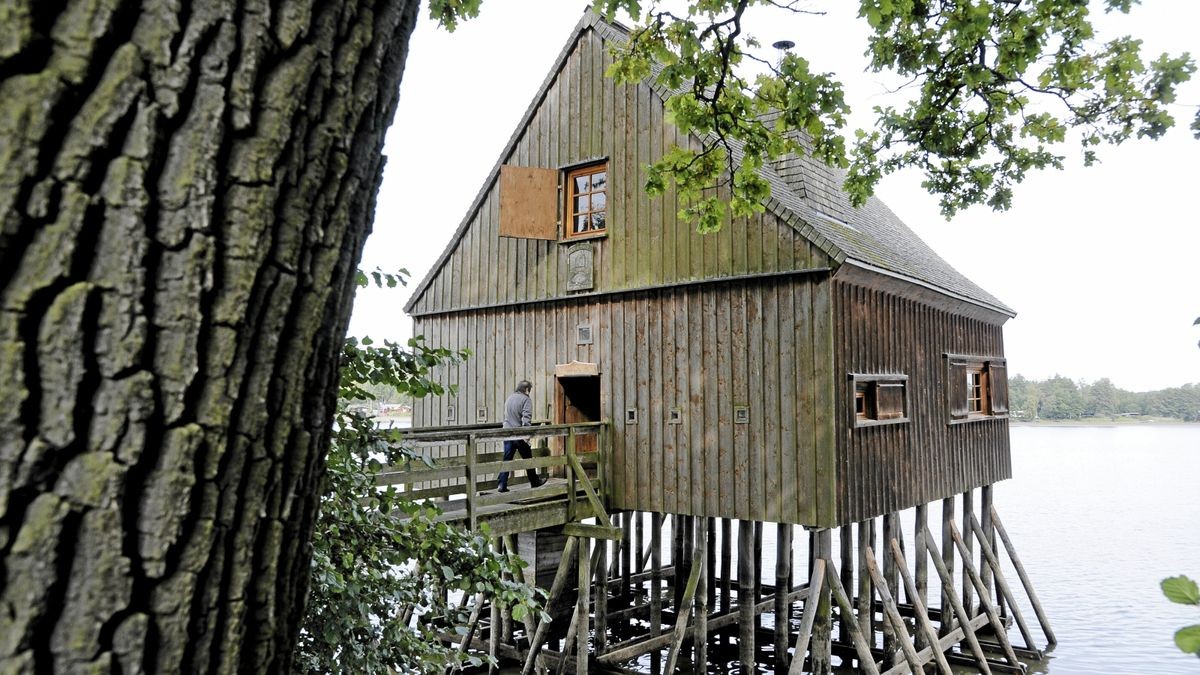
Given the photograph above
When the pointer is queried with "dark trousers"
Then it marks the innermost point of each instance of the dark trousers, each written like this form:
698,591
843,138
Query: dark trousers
526,453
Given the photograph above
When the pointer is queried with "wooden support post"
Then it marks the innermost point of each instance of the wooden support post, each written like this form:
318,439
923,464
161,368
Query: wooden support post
866,662
1002,587
891,613
627,558
1016,561
924,626
700,635
758,567
556,589
711,561
581,606
783,569
891,635
808,620
726,565
639,541
493,636
572,487
678,561
920,553
985,602
822,661
989,535
684,614
469,467
746,595
866,611
968,510
472,624
846,571
950,596
601,636
947,623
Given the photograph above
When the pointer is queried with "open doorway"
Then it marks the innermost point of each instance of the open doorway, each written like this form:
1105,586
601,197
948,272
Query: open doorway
577,399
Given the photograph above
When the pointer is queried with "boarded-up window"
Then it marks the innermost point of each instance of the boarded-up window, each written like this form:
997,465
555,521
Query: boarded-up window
528,202
880,399
976,388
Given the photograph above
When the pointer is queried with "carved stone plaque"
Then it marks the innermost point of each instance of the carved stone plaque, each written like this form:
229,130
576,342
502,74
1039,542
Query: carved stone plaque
579,267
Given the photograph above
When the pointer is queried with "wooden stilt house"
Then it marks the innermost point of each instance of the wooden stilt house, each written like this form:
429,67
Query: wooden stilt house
815,364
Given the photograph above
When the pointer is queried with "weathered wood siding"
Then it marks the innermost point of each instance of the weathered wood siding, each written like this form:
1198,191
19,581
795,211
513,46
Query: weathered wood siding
585,116
891,467
704,349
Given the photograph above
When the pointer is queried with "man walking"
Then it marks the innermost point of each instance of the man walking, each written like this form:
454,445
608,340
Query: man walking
518,412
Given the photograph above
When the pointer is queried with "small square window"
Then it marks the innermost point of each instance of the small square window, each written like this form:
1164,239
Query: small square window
587,200
481,414
631,416
880,399
451,412
675,416
583,334
741,414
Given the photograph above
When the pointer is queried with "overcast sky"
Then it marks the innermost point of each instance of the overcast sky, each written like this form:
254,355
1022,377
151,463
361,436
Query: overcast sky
1101,264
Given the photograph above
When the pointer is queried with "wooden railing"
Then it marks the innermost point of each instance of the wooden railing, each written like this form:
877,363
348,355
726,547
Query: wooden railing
461,463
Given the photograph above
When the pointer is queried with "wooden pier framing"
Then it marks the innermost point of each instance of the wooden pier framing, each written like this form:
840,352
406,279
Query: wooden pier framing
635,586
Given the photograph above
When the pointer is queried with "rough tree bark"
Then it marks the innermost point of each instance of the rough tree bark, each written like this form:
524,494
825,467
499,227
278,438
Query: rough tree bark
185,188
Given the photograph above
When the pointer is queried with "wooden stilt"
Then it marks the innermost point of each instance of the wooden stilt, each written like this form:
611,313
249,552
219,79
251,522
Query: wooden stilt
948,561
984,601
808,619
950,596
493,637
1002,587
581,606
746,595
627,558
846,571
678,561
924,626
472,624
985,519
700,636
656,521
601,635
822,661
891,613
758,567
1016,561
891,634
556,588
866,662
711,560
968,509
683,615
726,565
920,553
783,569
866,613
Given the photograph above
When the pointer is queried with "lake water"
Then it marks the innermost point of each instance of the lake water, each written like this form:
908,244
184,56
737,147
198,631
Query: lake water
1099,516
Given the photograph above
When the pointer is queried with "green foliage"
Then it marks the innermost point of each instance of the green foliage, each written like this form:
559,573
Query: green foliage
1184,591
1060,398
383,568
994,87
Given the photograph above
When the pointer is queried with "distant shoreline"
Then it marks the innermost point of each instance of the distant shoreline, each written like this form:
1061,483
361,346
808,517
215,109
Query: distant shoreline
1102,422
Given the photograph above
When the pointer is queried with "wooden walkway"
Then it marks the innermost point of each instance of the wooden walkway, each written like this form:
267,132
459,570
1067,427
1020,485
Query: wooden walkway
455,468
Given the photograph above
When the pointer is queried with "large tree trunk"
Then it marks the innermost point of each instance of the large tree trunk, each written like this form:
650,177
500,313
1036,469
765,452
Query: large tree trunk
185,187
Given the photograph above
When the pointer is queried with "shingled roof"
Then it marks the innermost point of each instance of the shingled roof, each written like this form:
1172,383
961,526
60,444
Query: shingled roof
805,193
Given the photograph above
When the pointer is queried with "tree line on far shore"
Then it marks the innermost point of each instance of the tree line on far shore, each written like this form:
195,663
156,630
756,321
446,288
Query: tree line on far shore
1061,398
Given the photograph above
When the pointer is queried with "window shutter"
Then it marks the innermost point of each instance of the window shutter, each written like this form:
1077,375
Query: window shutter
889,399
528,202
956,389
998,387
